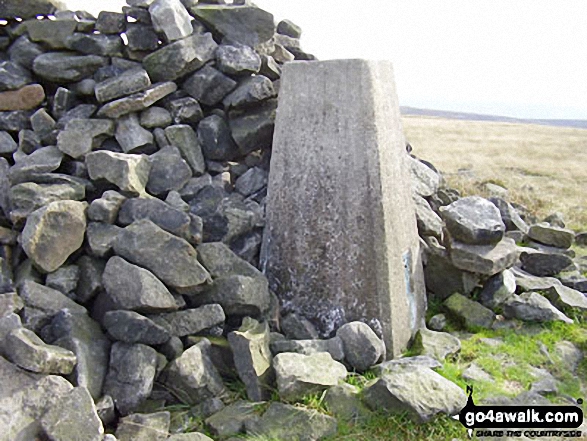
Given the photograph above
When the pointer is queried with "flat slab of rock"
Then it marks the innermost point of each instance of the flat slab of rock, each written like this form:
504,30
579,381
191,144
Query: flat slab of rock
28,8
472,314
128,172
190,321
131,327
67,67
563,297
484,259
422,361
82,135
144,427
138,101
186,140
552,236
52,233
232,419
316,270
145,244
129,82
420,392
308,347
298,375
544,264
531,306
436,344
172,18
221,261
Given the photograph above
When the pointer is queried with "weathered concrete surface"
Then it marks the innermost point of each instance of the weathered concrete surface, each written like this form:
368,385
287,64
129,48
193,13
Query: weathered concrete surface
341,242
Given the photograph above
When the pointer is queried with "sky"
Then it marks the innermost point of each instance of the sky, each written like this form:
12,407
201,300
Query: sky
518,58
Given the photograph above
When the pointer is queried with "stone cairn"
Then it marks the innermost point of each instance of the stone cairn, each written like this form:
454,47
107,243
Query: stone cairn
134,161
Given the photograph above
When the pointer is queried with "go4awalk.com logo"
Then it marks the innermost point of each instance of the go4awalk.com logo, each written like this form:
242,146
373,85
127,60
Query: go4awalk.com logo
528,421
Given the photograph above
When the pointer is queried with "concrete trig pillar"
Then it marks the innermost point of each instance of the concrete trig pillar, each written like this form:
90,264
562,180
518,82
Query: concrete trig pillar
341,241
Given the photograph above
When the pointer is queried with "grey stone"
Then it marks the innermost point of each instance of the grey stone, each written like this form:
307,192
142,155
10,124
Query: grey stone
473,220
24,398
15,121
336,270
153,117
28,8
7,143
81,136
128,172
472,314
8,322
54,232
63,101
362,347
566,298
302,424
425,181
237,59
185,139
100,238
169,171
110,22
75,414
250,92
64,279
343,401
252,358
23,51
299,375
531,306
245,24
105,209
252,181
171,18
429,223
96,44
144,427
185,110
208,85
174,200
180,57
420,392
10,302
13,76
253,129
528,282
131,287
90,278
25,349
52,33
231,419
129,82
484,259
106,410
308,347
551,235
131,327
131,135
130,376
194,185
570,354
418,361
437,322
66,67
435,344
192,436
287,27
141,37
238,295
474,374
191,321
43,160
216,140
497,289
192,377
509,216
270,68
83,336
137,102
221,261
145,244
543,264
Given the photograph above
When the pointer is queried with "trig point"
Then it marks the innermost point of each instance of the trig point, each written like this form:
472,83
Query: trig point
341,242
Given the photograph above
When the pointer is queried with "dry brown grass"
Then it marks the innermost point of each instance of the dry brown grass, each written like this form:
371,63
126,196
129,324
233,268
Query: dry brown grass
543,167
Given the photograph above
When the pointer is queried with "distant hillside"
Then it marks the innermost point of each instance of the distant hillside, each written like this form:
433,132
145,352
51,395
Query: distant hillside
574,123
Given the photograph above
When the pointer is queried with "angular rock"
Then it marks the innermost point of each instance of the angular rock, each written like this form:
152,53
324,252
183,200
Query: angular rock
510,216
190,321
303,424
131,135
429,223
145,244
250,92
232,418
299,375
425,181
208,85
25,98
96,44
216,140
67,67
138,101
129,82
238,295
553,236
287,27
144,427
297,327
270,68
543,264
484,259
128,172
252,181
343,401
253,129
65,279
25,349
131,327
153,117
81,136
220,261
100,238
74,415
54,232
252,358
308,347
472,314
171,18
497,289
13,76
158,212
10,302
531,306
185,110
473,220
443,279
419,361
192,436
237,59
245,24
43,160
15,121
420,392
23,51
185,139
141,37
180,57
362,347
435,344
52,33
169,171
192,377
106,208
28,8
130,375
7,144
527,282
564,298
570,354
110,22
475,374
